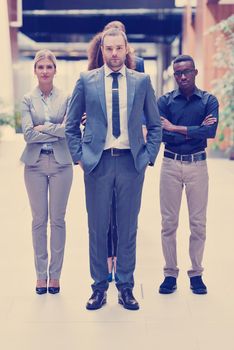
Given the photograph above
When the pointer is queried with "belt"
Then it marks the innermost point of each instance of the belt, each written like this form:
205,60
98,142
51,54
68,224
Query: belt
186,157
116,152
47,151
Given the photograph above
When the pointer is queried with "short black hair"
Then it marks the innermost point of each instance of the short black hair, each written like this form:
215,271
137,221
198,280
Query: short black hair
183,58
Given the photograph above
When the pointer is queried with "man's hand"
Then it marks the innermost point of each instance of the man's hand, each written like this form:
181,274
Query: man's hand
174,128
144,131
209,120
39,128
167,125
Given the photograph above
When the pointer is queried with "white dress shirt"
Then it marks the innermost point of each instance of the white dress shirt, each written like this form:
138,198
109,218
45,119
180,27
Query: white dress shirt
122,141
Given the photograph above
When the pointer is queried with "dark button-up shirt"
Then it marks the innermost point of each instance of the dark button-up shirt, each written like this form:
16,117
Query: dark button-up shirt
190,112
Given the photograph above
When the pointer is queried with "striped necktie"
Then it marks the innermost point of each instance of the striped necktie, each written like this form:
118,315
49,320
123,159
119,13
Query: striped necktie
115,105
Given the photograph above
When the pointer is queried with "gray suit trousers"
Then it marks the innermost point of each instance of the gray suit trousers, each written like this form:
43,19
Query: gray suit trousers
48,186
119,173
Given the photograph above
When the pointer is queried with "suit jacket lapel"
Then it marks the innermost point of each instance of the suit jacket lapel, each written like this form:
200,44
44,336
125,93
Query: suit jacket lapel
37,103
100,83
55,103
131,84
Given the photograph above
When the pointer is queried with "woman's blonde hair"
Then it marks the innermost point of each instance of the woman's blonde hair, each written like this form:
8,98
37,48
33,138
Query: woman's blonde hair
42,54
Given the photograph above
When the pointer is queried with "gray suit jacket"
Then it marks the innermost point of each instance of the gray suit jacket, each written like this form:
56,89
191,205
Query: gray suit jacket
33,114
89,96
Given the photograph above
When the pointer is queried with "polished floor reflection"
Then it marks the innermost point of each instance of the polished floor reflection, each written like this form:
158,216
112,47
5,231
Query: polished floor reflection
180,321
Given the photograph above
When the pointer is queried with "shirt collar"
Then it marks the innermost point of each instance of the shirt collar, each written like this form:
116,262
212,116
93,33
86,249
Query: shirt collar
196,92
41,93
108,71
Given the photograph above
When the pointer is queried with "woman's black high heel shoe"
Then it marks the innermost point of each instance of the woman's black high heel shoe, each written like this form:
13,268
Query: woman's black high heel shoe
41,290
52,289
110,278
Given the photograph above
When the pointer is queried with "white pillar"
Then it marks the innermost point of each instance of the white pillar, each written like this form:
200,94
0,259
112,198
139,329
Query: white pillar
6,86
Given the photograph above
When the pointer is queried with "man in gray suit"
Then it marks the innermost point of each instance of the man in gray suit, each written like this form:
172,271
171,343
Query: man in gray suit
113,154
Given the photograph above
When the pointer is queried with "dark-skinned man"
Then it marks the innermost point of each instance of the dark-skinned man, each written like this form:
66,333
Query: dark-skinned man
189,117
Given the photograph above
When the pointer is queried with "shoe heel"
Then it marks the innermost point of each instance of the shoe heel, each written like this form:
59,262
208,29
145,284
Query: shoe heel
110,278
54,290
104,302
41,290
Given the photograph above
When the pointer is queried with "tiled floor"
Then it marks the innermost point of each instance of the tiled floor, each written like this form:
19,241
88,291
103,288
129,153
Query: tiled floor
180,321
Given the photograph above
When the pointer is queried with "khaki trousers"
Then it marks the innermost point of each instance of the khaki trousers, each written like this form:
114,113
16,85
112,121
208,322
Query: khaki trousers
175,175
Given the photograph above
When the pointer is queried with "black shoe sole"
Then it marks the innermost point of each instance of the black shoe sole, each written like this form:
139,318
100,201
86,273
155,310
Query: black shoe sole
91,307
167,291
129,307
41,291
53,290
199,291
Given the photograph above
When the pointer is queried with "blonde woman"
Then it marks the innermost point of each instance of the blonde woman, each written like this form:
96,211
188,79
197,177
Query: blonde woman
48,170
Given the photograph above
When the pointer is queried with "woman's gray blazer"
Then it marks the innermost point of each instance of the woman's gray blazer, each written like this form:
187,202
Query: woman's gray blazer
33,114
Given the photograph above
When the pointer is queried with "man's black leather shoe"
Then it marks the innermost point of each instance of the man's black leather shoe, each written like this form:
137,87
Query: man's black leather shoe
168,286
127,299
197,285
96,301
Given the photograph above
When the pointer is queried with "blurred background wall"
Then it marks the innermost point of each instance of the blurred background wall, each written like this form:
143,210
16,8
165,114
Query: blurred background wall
157,30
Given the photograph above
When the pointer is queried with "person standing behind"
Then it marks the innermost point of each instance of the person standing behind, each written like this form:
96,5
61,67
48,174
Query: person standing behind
189,117
95,60
113,155
48,169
